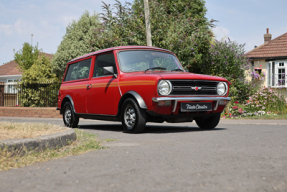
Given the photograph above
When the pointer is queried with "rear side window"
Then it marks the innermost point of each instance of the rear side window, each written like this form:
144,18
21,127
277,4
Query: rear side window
78,70
104,60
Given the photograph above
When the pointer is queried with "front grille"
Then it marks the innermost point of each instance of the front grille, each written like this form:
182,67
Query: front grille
193,87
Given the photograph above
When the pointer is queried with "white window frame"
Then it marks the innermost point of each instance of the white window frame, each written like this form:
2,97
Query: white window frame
9,86
272,73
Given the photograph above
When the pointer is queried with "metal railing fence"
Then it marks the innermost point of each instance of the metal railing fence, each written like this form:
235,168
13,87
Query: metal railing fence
30,95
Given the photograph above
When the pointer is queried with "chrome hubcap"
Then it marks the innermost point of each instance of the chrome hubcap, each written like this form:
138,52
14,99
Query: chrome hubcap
130,117
68,116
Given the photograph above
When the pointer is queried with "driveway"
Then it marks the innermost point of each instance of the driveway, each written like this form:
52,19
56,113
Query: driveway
236,156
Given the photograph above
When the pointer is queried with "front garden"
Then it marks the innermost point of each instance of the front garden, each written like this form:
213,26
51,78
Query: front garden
264,102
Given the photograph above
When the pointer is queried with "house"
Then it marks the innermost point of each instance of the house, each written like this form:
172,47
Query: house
10,73
271,59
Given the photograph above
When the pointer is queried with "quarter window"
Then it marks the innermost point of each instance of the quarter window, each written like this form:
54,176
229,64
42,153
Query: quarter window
104,60
78,70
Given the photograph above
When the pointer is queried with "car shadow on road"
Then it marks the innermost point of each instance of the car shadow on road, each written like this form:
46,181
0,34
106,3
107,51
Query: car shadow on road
149,128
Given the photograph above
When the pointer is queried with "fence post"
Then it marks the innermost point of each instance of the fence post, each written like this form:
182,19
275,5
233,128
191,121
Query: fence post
2,94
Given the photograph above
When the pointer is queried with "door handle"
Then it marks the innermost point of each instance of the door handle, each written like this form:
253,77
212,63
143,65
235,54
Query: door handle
89,86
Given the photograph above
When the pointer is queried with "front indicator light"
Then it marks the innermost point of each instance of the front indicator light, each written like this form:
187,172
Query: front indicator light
223,102
164,103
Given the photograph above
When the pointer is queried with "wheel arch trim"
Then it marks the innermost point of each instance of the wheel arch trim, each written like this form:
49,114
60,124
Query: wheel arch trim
68,97
139,99
135,95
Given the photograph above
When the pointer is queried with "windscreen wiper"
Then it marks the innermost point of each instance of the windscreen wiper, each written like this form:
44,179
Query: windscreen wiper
153,68
177,69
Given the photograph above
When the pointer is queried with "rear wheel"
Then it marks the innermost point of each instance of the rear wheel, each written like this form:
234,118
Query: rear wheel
133,117
69,117
208,123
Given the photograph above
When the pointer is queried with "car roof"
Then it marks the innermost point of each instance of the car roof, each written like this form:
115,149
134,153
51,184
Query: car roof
120,48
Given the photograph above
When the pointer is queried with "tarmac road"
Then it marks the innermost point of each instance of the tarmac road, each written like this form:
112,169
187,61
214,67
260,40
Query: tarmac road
236,156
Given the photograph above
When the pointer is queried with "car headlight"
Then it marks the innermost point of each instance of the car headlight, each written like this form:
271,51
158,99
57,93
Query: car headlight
221,88
164,87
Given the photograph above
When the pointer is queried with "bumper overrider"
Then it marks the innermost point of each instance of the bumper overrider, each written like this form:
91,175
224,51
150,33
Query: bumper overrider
218,100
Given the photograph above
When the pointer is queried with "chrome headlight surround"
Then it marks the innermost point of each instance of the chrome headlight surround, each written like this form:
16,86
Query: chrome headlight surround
222,88
164,87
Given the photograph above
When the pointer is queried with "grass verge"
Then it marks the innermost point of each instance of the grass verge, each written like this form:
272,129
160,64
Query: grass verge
85,142
12,130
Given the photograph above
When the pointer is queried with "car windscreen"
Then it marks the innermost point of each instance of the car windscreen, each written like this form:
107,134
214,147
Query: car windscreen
141,60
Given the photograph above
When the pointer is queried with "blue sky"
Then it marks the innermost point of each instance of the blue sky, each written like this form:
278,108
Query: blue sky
244,21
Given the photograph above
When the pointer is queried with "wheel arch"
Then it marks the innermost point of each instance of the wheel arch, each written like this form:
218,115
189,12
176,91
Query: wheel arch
134,95
68,98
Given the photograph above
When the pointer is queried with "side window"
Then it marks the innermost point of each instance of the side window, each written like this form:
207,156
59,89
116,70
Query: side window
78,70
104,60
84,69
72,72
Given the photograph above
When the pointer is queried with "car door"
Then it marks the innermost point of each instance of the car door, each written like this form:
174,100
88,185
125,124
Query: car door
74,84
103,92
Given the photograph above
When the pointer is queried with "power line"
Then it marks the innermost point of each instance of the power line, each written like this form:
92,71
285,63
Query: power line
217,25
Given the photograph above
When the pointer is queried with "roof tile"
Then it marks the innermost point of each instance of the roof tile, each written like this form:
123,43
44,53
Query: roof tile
274,48
11,68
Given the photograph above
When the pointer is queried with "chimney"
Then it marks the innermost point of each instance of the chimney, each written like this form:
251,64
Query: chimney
267,36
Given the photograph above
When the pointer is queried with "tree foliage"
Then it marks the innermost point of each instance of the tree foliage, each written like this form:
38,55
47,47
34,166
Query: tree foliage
38,86
181,28
27,56
75,42
227,59
39,72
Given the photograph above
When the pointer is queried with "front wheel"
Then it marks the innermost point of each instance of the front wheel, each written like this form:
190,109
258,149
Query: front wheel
69,117
133,117
208,123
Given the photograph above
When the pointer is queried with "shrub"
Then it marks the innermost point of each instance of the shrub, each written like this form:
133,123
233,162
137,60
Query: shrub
227,59
39,86
264,102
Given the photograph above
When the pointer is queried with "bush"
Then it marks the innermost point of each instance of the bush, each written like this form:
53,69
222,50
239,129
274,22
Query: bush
39,86
226,59
264,102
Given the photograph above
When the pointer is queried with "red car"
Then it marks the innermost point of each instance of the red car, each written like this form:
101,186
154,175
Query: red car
139,84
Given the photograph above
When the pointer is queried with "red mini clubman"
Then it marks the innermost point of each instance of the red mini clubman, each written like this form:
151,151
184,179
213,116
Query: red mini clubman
139,84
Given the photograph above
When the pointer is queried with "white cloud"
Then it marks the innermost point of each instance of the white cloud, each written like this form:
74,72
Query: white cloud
6,29
221,33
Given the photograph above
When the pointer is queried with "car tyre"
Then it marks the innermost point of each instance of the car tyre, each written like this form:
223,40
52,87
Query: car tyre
133,117
208,123
69,117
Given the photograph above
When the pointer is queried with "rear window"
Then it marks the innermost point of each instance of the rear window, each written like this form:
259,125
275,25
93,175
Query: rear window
80,70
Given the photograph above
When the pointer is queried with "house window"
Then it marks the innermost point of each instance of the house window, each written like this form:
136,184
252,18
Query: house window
277,74
281,77
11,86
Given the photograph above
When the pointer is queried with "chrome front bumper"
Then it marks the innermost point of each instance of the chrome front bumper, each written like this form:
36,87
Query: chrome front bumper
176,99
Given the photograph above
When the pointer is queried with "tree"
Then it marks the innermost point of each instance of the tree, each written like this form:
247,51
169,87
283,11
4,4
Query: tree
182,29
27,56
39,72
75,42
38,85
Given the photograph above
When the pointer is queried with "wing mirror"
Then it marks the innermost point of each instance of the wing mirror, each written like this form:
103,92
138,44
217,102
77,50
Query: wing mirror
109,71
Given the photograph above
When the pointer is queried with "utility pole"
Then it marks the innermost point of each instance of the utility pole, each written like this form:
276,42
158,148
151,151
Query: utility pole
32,39
147,23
